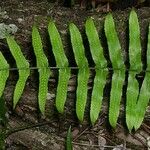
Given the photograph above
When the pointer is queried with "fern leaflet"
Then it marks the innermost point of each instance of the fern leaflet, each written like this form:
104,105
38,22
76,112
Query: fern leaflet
100,62
134,42
144,94
117,63
42,64
83,74
62,64
23,67
4,73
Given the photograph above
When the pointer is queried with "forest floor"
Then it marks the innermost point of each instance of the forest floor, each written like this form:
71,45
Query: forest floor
28,130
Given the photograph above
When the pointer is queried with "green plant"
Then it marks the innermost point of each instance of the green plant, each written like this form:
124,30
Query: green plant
137,98
118,69
62,64
43,68
22,65
69,140
100,65
4,73
83,74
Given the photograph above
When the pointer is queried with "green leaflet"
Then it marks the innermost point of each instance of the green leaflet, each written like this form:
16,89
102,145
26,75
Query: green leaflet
83,74
23,67
132,102
95,45
42,64
134,42
118,77
113,43
142,102
64,75
62,63
100,62
131,99
97,94
144,94
4,73
116,93
77,45
69,140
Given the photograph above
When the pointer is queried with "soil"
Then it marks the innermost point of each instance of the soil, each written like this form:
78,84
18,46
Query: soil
26,128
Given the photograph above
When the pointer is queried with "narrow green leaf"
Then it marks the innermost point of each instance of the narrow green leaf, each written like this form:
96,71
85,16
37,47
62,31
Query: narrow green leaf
4,73
118,78
97,94
44,74
61,96
100,62
113,43
57,46
69,140
42,64
134,42
62,63
115,96
77,45
83,74
142,102
131,99
23,67
144,94
95,45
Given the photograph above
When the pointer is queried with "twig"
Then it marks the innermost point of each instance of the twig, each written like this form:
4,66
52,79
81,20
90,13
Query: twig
11,131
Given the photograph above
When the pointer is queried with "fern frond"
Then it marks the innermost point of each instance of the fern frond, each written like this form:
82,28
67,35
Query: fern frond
118,77
83,74
42,64
4,73
62,64
23,67
134,42
100,62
